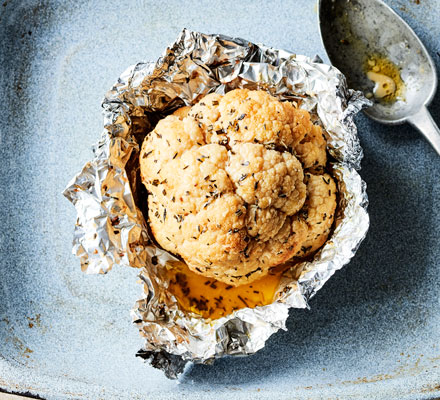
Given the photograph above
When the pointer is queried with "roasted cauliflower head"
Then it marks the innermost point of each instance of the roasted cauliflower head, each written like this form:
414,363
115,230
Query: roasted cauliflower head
236,185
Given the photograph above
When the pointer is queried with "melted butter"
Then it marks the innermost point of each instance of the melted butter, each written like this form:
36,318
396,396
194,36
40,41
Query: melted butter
214,299
386,76
384,85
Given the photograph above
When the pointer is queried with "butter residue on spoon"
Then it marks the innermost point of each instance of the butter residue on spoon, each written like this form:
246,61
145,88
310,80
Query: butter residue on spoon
384,85
386,77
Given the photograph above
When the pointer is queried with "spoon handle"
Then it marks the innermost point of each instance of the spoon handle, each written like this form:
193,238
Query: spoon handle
423,121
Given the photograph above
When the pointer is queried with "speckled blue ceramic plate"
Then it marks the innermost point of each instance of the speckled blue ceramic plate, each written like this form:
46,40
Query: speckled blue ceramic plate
372,331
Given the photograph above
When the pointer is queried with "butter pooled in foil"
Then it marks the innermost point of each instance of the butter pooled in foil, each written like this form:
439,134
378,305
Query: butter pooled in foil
111,228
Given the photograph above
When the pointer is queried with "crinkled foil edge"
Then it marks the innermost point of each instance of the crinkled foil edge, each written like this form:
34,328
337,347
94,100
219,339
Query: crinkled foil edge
111,229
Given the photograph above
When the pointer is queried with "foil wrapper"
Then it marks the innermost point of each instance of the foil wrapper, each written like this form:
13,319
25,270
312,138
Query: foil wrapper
110,199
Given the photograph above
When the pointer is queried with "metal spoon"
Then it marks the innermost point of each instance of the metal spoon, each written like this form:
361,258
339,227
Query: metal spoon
353,30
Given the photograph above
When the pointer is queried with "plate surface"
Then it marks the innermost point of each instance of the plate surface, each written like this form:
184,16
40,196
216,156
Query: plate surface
372,331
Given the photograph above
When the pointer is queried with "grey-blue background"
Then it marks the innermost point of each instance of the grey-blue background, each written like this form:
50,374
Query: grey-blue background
373,329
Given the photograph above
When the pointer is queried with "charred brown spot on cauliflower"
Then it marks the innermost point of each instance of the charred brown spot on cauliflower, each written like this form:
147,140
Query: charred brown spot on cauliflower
227,185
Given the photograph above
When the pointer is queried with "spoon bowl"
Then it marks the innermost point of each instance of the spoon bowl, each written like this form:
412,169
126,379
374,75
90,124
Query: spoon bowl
354,30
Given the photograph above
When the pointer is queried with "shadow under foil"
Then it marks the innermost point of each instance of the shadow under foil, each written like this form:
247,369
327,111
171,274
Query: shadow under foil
368,305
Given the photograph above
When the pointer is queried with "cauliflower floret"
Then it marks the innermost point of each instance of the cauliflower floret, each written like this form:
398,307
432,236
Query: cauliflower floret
206,111
264,223
226,192
182,112
246,116
317,216
311,150
168,141
267,178
257,117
